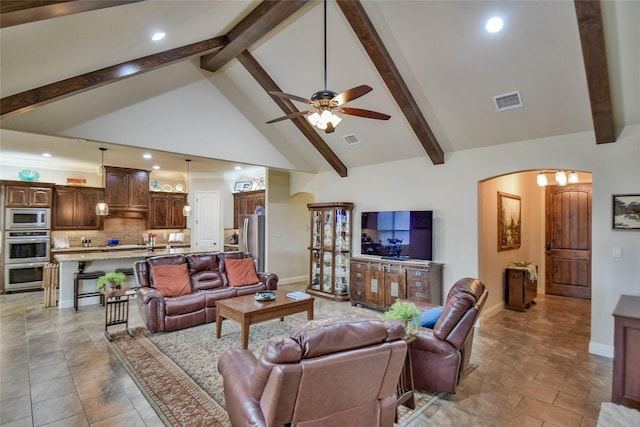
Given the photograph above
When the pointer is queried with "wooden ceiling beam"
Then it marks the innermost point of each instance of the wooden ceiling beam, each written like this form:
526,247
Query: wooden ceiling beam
33,98
16,12
381,59
267,83
594,54
266,16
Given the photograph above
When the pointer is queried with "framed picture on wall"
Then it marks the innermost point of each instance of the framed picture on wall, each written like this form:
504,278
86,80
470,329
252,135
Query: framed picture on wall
626,211
509,226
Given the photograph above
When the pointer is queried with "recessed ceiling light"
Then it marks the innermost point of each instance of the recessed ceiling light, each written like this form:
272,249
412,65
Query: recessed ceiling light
79,140
46,154
494,25
147,156
238,168
156,167
158,36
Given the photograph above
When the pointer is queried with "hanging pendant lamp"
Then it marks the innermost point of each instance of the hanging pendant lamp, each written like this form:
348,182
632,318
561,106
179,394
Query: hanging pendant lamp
102,209
186,210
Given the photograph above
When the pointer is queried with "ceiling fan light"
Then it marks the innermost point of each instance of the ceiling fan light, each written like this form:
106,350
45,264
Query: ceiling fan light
541,179
335,120
561,178
313,118
573,178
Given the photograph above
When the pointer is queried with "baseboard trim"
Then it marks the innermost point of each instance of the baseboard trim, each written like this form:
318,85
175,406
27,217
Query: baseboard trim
601,349
290,280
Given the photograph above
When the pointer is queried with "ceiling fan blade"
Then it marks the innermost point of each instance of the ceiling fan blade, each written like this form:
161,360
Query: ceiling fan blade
351,94
289,96
363,113
290,116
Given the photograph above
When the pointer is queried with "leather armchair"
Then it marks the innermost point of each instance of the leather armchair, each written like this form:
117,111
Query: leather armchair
340,371
439,355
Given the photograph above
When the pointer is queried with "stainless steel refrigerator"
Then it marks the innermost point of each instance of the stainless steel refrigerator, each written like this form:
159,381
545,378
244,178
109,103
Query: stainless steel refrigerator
251,237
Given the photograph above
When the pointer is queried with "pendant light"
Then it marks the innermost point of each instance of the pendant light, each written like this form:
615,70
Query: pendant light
102,209
186,210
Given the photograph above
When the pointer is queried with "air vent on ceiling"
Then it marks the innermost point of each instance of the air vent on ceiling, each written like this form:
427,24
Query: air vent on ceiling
351,139
508,101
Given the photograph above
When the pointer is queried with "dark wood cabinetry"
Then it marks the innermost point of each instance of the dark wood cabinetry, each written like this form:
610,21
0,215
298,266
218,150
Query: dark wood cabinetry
74,208
165,210
127,191
246,203
626,352
25,195
378,283
520,291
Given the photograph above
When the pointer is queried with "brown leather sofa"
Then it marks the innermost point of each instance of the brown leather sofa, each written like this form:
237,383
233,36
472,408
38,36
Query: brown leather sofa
209,283
440,355
339,371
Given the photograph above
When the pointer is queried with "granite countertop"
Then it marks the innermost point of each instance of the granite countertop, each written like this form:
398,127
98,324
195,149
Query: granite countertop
123,254
114,248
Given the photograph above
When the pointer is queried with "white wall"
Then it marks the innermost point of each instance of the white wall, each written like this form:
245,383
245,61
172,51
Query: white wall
451,191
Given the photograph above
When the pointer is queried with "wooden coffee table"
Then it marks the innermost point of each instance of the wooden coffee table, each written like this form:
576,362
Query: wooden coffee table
247,311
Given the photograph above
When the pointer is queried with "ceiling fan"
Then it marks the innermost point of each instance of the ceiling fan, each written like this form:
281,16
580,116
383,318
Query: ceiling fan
326,102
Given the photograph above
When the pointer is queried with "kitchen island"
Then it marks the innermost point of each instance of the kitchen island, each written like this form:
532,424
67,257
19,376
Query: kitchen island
70,263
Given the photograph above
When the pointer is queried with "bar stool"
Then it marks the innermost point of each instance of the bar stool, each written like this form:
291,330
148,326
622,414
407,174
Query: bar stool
77,277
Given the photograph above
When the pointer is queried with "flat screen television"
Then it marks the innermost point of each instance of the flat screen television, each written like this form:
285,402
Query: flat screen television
397,234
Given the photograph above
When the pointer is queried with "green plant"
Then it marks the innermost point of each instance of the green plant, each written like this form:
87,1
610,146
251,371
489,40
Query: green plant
110,278
407,313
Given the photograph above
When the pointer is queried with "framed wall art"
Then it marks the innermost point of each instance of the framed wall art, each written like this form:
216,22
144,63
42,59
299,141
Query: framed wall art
509,226
243,186
626,211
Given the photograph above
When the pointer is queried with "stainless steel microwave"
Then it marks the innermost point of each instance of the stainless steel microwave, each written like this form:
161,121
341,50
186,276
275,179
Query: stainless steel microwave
27,219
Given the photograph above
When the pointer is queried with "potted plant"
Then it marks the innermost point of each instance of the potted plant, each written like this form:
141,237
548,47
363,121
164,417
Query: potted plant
407,313
113,280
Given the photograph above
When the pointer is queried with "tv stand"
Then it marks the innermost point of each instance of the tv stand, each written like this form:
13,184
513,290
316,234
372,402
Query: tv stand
377,282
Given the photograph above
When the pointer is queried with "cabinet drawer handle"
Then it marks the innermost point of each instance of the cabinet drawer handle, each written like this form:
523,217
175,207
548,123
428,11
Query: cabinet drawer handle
418,294
358,274
419,284
418,273
515,275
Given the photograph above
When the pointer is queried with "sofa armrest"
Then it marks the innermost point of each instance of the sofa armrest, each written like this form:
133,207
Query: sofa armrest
270,280
429,343
147,293
236,367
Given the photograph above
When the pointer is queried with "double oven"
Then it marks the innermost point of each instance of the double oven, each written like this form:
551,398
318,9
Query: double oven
27,246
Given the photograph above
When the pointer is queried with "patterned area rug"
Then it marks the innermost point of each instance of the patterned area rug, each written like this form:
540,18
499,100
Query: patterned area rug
177,371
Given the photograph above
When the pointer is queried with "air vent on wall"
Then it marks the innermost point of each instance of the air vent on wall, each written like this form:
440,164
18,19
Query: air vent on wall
351,139
508,101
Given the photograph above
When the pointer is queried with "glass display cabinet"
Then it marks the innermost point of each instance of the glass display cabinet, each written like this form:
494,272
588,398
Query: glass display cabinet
330,250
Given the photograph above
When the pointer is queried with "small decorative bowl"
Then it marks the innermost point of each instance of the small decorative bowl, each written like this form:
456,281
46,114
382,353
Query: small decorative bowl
28,175
265,296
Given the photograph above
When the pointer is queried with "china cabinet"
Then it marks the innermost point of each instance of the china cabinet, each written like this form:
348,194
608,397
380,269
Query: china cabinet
330,250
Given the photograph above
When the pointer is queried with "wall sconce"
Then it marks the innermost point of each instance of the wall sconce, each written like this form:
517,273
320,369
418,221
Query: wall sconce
573,178
541,179
561,178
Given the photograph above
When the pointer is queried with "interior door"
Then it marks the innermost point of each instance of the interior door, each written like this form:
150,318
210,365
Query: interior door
207,220
568,240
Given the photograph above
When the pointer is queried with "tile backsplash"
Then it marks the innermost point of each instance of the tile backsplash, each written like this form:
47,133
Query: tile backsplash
128,231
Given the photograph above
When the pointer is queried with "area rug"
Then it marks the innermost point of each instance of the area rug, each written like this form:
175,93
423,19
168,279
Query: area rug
178,373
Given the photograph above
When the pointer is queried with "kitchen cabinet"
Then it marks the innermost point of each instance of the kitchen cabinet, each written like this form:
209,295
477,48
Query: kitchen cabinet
74,208
245,203
330,250
377,283
165,210
626,352
25,195
127,191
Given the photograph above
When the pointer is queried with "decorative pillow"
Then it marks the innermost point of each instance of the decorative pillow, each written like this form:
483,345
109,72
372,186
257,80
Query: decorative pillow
241,272
430,317
171,280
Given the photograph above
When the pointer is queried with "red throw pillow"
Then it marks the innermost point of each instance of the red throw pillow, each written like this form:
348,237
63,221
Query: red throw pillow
241,272
171,280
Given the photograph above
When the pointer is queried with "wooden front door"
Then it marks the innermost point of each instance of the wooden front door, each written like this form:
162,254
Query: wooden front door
568,240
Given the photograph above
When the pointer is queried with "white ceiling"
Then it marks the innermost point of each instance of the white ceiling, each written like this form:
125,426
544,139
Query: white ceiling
452,66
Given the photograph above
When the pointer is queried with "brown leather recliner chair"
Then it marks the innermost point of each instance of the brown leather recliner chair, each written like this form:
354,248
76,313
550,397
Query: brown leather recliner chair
339,371
439,355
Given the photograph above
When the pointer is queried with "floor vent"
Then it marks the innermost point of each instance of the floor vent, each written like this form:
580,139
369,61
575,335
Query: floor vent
507,101
351,139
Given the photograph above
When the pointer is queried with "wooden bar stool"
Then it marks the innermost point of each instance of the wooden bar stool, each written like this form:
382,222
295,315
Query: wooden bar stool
85,275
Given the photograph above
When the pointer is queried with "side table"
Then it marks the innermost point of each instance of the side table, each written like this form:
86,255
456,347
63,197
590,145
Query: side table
404,389
116,309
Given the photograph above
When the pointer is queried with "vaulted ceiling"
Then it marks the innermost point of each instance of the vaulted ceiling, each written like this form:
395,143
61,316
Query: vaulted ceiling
88,69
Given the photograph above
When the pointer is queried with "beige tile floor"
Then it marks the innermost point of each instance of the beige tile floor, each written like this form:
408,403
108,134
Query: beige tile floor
533,369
